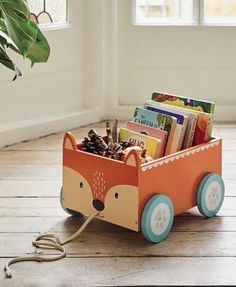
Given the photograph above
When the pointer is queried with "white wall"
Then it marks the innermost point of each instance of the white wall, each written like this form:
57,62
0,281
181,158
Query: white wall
41,90
102,66
49,97
191,61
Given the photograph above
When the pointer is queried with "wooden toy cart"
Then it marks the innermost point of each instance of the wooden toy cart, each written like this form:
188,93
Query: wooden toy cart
146,196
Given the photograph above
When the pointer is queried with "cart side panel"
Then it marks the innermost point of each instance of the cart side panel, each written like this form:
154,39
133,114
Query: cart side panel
179,175
91,181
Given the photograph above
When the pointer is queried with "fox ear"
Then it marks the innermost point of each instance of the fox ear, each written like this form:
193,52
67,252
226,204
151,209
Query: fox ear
69,142
132,158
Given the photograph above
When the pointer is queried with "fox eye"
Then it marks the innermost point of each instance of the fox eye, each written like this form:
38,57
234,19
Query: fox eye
81,184
116,195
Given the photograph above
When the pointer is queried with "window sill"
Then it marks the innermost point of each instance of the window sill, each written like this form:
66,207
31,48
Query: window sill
55,26
185,25
166,24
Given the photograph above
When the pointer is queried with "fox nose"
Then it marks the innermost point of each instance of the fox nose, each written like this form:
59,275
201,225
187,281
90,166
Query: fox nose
98,204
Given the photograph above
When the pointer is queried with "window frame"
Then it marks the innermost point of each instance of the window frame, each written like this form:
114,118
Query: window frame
68,24
198,18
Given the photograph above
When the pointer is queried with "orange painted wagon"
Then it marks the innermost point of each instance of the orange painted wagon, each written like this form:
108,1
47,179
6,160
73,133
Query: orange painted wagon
143,197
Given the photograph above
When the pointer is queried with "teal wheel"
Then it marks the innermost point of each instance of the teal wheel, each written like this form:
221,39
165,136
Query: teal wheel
157,218
67,210
210,194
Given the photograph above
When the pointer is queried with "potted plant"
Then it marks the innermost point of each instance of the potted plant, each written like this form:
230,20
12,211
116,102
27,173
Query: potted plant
20,34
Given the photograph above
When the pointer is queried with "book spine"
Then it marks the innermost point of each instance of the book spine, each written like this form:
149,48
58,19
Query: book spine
181,137
176,146
170,146
188,141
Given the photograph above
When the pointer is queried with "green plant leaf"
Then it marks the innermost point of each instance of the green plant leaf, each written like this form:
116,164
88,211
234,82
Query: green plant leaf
20,34
17,18
6,42
6,61
3,27
40,50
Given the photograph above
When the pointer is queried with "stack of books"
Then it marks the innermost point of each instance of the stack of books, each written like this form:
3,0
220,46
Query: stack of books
169,123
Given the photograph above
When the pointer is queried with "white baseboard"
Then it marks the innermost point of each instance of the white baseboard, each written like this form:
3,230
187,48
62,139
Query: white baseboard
222,113
225,114
30,129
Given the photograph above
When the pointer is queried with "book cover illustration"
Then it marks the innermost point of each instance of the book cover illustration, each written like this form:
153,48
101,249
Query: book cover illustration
192,121
151,105
153,132
203,128
204,121
182,121
157,120
152,145
184,102
153,119
188,119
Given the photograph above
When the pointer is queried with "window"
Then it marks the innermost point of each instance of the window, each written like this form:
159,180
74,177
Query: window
164,12
220,12
185,12
48,11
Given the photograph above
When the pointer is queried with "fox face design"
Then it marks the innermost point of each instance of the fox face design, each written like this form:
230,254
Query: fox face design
92,183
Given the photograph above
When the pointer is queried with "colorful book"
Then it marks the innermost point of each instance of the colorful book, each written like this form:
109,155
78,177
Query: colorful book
182,121
184,102
203,128
160,121
152,145
152,132
204,122
191,123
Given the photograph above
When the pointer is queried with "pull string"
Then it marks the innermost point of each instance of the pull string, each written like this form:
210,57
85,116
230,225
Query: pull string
48,241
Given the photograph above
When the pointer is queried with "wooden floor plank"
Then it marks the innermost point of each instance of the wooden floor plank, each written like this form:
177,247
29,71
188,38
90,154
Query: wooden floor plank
18,244
36,224
131,244
31,157
229,157
136,271
30,188
66,223
32,212
228,171
29,172
42,144
227,132
228,144
230,187
26,205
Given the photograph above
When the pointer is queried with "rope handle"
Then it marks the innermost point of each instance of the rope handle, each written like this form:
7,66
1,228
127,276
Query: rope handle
48,241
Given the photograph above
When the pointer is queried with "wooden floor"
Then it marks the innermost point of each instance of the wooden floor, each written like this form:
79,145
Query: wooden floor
198,251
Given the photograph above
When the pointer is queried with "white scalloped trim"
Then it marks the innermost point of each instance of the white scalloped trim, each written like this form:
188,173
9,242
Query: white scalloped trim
179,155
